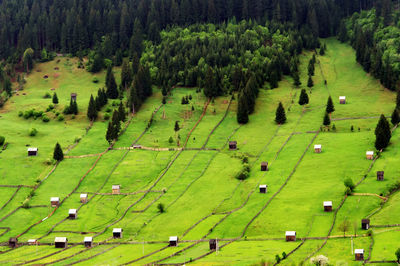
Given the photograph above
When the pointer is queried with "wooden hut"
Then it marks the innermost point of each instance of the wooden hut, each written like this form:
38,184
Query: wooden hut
84,198
317,148
213,244
359,253
379,175
232,145
72,214
87,241
32,242
290,236
12,242
264,166
60,242
370,155
116,189
117,233
365,224
173,241
263,189
55,201
327,206
73,96
32,151
342,99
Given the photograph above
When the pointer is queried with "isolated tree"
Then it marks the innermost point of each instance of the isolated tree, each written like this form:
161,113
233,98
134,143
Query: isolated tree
176,127
242,112
310,82
344,227
161,208
27,59
280,115
303,97
58,154
296,79
55,98
395,117
327,120
348,183
112,89
382,133
109,134
92,109
330,108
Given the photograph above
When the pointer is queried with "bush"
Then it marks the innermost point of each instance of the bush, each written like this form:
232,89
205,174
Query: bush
28,114
95,80
60,118
106,116
45,118
20,113
170,140
161,208
244,173
46,95
348,182
33,132
50,107
26,204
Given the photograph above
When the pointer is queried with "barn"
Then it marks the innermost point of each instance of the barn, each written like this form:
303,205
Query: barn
84,198
317,148
213,244
380,175
263,189
87,241
32,242
60,242
365,224
117,233
327,206
173,241
342,99
370,155
264,166
72,214
32,151
232,145
116,189
73,96
359,253
55,201
290,236
12,242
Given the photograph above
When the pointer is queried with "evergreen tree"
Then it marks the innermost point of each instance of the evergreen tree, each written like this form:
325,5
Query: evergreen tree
92,109
73,107
296,79
242,112
28,59
395,117
112,89
55,98
210,84
126,75
121,112
116,123
322,50
382,133
303,97
58,154
310,82
311,68
280,115
176,127
330,108
327,119
109,134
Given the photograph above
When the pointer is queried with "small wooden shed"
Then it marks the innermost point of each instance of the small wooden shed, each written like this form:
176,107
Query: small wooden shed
60,242
370,155
117,233
380,175
342,99
365,224
359,253
55,201
87,241
32,151
318,148
84,198
290,236
73,96
116,189
327,206
173,241
32,242
263,189
213,244
12,242
72,214
232,145
264,166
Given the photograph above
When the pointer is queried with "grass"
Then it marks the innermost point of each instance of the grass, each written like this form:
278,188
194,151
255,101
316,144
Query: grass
198,188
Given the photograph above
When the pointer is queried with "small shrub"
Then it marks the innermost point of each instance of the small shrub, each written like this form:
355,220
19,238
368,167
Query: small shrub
284,255
333,127
277,258
45,118
33,132
95,80
352,128
2,140
26,204
161,208
170,140
20,113
46,95
398,255
72,116
245,159
60,118
244,173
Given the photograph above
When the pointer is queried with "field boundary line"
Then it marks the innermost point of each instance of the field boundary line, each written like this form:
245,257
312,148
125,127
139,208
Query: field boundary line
12,197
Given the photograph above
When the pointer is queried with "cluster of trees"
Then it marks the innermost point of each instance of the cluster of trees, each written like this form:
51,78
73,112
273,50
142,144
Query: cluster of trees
5,86
140,88
72,108
374,35
95,104
114,126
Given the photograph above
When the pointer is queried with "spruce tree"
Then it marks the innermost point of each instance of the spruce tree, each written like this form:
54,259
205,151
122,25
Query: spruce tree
296,79
121,112
55,98
74,107
112,89
395,117
382,133
58,154
109,134
242,112
303,97
116,124
176,127
310,82
126,75
280,116
330,108
327,119
92,109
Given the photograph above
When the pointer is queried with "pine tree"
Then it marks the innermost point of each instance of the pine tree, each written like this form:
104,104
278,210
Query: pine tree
327,119
296,79
126,75
330,108
112,89
58,154
280,116
242,112
109,134
176,127
303,97
92,109
55,98
311,68
395,117
310,82
74,107
382,133
121,112
116,123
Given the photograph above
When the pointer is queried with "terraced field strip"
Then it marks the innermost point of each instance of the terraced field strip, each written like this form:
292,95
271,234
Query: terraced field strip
11,198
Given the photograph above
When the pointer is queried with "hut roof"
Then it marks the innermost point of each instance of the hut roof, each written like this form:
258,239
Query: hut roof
365,220
54,199
74,94
72,211
263,186
342,97
32,149
117,230
32,241
318,146
116,186
83,195
327,203
213,241
370,153
88,239
233,142
359,251
173,238
60,239
264,163
290,233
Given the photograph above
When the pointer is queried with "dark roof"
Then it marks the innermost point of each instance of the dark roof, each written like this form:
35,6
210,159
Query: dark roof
365,220
264,163
74,94
233,142
213,241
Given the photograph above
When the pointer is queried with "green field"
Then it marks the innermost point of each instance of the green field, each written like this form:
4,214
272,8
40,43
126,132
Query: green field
195,180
